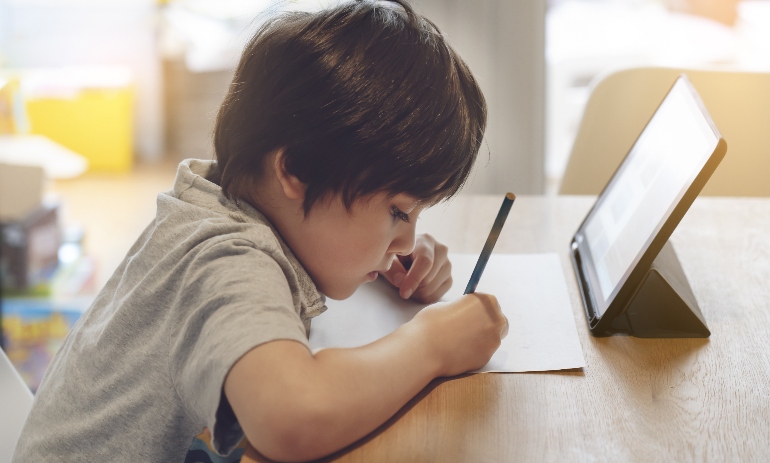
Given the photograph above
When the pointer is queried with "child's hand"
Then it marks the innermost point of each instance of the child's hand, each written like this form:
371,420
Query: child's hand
463,334
424,275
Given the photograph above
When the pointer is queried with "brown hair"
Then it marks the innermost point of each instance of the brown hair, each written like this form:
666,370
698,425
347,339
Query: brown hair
364,97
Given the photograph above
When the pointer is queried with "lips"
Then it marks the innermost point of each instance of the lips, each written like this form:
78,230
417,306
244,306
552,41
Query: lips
374,274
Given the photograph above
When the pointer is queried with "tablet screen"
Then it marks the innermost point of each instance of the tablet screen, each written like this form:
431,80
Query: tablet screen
660,167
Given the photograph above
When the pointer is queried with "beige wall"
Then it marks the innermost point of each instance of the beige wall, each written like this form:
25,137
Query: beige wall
503,43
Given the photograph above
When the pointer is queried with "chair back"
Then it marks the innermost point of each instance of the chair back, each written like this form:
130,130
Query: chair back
623,102
15,404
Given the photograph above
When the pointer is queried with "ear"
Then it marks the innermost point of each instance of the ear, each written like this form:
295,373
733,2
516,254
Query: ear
292,187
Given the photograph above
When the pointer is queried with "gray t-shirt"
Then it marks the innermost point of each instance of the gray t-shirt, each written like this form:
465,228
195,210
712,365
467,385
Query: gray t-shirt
142,372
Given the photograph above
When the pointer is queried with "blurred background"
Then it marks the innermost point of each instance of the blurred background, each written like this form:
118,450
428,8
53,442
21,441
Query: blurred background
100,100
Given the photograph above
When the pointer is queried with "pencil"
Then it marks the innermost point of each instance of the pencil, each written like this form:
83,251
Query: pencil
490,244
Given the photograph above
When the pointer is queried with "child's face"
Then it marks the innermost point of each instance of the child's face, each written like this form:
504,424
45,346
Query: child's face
343,249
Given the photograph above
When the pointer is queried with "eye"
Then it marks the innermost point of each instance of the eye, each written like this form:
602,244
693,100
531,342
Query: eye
399,214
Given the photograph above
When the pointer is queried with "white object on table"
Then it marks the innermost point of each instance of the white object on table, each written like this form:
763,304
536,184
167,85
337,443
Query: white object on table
531,290
36,150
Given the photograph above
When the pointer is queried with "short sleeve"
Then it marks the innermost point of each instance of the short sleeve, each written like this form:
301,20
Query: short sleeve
234,297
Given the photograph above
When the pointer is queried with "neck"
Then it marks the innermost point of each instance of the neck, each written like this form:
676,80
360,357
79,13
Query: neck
284,214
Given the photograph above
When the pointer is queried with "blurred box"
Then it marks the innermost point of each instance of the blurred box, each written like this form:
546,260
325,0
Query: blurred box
29,249
34,323
21,190
191,98
86,109
33,330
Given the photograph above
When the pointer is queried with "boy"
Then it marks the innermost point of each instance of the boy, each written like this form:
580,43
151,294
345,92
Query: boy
339,128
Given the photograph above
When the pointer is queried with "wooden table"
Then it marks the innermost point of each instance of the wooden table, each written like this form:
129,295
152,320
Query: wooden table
637,399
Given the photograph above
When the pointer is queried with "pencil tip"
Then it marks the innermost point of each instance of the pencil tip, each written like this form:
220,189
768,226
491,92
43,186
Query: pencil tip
510,196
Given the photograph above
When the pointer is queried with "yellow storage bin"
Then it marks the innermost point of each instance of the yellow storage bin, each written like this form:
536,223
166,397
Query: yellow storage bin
92,118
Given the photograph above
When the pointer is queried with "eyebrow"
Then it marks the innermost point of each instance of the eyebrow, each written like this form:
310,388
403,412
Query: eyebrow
416,202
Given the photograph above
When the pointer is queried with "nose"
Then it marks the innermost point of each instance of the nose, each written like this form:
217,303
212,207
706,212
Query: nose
403,242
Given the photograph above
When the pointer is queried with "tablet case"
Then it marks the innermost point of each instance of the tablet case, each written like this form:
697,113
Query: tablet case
663,306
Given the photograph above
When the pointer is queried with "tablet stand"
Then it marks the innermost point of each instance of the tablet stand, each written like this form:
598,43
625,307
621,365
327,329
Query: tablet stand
663,305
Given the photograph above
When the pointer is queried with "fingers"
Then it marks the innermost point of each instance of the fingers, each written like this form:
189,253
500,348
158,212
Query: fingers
396,273
466,331
441,267
425,275
494,311
504,331
433,290
430,275
422,263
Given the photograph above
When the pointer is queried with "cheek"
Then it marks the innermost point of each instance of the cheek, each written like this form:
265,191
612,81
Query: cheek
340,248
343,262
338,251
358,249
362,247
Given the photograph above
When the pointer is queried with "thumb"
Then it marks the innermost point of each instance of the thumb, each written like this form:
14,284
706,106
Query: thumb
396,273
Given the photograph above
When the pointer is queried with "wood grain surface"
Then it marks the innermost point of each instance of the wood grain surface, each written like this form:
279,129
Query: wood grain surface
637,400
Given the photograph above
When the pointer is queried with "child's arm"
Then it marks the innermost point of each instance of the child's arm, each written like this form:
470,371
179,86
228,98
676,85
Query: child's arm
295,406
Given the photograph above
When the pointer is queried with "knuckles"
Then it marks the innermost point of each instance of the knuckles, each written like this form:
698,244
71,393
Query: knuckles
428,237
441,249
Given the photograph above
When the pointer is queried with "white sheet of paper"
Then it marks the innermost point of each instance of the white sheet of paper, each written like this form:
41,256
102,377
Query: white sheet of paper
531,290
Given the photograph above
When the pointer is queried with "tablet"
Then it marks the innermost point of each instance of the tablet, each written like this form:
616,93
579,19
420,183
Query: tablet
647,196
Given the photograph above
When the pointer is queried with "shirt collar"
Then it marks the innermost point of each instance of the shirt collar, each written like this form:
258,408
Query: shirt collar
192,173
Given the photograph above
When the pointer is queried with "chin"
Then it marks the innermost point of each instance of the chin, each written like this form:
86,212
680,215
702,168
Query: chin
338,294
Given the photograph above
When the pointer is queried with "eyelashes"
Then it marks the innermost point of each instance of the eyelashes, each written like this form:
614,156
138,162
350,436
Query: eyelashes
399,214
